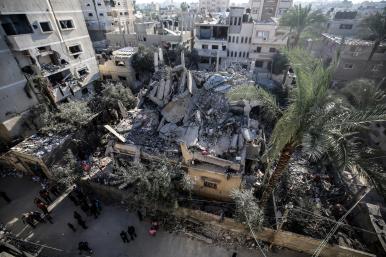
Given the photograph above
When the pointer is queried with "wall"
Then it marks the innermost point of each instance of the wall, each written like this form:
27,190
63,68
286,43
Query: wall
208,173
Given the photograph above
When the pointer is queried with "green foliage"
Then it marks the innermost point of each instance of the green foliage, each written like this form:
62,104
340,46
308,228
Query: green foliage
68,171
184,6
280,63
300,18
69,118
155,182
376,24
247,208
109,96
143,60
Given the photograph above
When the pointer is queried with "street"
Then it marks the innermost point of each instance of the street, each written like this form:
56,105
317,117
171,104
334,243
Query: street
102,233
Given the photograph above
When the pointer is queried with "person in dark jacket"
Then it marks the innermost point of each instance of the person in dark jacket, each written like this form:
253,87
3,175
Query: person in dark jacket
124,237
83,246
45,195
131,231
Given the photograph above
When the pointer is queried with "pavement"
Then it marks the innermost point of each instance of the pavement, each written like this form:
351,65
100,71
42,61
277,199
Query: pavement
102,233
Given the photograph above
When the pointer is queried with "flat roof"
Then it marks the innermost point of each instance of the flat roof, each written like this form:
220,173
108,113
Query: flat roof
350,41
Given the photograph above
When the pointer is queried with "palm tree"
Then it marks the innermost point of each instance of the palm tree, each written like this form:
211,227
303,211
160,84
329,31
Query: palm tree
377,25
315,122
301,18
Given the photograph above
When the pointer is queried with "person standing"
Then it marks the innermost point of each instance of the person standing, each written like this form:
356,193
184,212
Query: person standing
28,219
45,195
48,217
124,237
131,231
73,199
36,216
42,206
77,216
82,223
54,189
83,246
5,196
71,226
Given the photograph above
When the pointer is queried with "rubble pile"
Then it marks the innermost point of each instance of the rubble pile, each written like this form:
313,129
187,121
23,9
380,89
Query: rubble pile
40,146
179,105
47,68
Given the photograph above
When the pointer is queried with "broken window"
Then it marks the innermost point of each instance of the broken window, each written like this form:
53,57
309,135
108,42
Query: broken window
75,49
101,14
210,184
204,46
259,64
224,48
66,24
205,32
90,14
258,49
45,26
345,26
83,72
220,32
214,46
15,24
272,50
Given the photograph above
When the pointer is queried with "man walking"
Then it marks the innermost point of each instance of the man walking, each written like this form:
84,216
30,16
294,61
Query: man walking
82,223
131,231
42,206
124,237
45,195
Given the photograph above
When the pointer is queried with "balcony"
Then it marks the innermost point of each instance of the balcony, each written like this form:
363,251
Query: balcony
212,53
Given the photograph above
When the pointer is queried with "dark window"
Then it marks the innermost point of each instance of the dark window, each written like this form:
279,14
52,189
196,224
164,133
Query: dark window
15,24
75,49
272,50
248,55
229,39
204,46
87,4
242,40
101,14
214,46
239,21
345,26
90,14
233,39
83,72
99,4
106,77
126,13
239,54
122,78
243,54
258,49
144,39
210,184
259,64
250,39
224,48
119,63
231,53
66,24
204,59
45,26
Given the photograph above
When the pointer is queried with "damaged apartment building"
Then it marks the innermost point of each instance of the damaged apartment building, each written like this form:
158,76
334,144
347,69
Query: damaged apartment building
103,16
185,117
46,39
239,40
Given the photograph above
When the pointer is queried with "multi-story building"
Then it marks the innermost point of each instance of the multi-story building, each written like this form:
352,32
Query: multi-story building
353,57
238,40
344,23
265,9
46,39
210,6
104,16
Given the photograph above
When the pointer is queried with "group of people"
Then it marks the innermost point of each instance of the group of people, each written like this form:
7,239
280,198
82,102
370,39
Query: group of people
34,217
131,232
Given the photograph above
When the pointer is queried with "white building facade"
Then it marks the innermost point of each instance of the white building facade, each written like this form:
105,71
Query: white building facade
210,6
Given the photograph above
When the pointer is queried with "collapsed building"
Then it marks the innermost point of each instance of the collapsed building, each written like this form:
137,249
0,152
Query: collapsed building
185,116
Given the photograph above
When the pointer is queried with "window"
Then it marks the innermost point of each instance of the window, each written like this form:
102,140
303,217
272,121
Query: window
15,24
345,26
119,63
242,40
66,24
83,72
250,39
99,4
101,14
229,39
239,54
348,66
122,78
239,21
247,54
204,59
233,39
210,184
272,50
87,4
231,53
259,64
107,77
204,46
90,14
75,49
224,48
258,49
214,46
237,40
262,34
121,13
45,26
243,54
126,13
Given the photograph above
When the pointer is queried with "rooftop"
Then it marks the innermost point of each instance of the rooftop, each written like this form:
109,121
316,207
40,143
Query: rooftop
349,41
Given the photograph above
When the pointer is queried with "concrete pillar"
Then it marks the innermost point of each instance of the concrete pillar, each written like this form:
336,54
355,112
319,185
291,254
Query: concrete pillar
182,58
155,61
217,59
160,55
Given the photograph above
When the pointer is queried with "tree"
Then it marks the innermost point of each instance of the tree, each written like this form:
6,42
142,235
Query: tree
318,124
376,23
143,60
247,209
154,182
110,94
69,118
299,19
